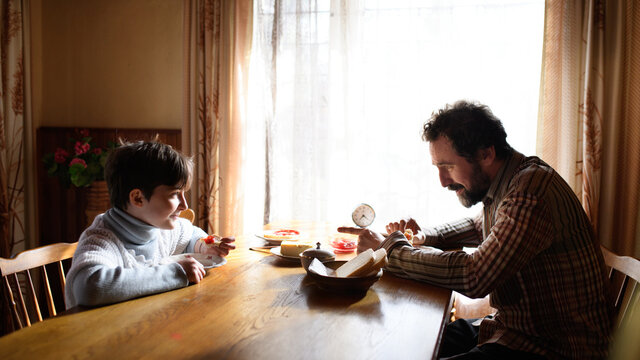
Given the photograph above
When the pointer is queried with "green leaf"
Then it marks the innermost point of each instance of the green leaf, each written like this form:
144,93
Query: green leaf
94,169
51,171
79,176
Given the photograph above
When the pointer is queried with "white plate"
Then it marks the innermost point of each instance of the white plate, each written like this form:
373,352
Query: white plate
276,251
276,241
207,260
270,241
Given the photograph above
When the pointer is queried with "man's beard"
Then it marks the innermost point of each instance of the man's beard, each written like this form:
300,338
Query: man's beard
480,183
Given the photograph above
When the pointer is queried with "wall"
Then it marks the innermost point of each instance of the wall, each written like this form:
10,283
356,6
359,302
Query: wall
99,64
107,63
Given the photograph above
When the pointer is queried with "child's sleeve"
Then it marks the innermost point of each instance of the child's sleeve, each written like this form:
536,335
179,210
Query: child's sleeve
101,284
196,235
99,276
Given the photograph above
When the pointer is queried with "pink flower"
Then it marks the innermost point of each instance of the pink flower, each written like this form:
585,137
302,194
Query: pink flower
78,161
60,155
97,151
84,132
81,147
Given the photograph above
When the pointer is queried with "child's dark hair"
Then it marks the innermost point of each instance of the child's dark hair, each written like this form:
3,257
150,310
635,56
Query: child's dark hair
144,165
470,127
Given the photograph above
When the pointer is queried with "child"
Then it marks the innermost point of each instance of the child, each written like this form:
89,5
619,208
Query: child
119,257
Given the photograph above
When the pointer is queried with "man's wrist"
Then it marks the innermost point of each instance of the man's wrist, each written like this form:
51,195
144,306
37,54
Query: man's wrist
394,240
431,237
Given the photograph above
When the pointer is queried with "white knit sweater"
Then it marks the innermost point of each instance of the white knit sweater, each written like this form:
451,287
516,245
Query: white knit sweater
104,271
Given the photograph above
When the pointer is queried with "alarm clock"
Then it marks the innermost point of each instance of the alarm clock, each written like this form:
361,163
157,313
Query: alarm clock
363,215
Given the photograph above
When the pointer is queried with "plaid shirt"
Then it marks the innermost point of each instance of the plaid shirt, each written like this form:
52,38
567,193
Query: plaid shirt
537,257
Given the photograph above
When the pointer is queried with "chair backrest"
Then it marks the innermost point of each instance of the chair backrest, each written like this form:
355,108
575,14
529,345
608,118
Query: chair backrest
23,263
624,276
188,214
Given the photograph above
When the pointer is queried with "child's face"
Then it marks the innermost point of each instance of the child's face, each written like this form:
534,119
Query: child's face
163,208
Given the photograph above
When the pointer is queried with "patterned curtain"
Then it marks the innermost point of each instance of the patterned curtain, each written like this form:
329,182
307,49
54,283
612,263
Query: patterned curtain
12,151
217,45
589,99
17,223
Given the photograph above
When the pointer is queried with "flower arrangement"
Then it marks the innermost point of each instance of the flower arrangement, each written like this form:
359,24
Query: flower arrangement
80,164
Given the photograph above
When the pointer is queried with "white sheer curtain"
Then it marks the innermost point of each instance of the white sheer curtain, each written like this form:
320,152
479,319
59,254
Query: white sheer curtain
339,91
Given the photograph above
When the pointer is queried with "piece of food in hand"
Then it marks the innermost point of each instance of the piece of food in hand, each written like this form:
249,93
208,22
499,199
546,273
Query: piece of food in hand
282,234
293,248
408,233
205,243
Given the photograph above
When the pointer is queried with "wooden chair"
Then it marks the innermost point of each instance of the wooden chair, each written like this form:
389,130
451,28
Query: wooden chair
188,214
24,262
624,276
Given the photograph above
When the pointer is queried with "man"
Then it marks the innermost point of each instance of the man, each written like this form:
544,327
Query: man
537,255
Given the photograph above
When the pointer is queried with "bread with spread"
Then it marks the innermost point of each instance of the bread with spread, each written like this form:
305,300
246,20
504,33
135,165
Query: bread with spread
205,243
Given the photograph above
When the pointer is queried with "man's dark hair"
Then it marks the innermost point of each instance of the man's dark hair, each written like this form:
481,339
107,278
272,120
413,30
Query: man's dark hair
470,127
144,165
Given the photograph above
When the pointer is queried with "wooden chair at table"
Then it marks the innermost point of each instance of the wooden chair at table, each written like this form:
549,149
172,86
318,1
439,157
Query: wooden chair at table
624,276
624,298
23,263
188,214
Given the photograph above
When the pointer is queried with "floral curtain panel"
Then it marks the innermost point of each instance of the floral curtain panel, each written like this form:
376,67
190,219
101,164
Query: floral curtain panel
17,223
570,133
12,127
589,110
217,44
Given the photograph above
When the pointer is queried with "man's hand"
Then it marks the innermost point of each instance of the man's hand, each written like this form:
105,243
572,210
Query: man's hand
367,239
195,271
409,223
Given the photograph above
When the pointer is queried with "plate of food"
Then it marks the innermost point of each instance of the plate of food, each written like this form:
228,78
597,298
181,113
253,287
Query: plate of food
277,252
290,250
207,260
276,236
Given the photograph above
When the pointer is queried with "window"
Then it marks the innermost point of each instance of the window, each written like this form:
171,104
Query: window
339,91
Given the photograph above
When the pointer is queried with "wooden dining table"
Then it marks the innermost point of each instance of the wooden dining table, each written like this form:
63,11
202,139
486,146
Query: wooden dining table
256,306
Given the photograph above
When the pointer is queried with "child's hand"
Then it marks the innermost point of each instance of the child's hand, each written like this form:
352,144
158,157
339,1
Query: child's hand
226,245
193,268
214,245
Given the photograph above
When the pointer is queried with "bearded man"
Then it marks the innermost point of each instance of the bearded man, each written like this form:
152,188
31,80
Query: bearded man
536,255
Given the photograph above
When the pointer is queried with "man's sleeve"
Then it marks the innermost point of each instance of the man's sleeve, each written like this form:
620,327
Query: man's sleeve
455,234
522,230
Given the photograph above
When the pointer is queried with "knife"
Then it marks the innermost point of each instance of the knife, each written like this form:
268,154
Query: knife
264,249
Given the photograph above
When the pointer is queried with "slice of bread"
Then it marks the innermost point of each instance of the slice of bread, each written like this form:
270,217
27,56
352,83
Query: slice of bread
380,257
358,266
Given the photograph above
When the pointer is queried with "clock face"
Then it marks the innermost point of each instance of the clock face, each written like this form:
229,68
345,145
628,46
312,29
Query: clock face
363,215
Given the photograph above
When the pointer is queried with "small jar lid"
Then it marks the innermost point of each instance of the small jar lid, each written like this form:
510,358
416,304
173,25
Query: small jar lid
318,253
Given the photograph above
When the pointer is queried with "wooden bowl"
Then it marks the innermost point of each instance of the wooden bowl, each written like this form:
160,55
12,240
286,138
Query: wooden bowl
332,283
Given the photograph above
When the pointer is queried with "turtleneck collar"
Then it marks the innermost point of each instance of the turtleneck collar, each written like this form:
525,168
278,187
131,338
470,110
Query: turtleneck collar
129,229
